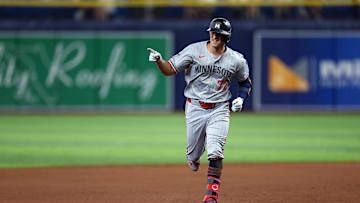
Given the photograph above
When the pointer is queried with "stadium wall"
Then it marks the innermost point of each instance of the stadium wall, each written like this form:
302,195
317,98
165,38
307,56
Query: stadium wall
184,32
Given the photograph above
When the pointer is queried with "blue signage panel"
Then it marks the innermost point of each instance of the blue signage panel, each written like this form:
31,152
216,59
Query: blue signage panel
306,70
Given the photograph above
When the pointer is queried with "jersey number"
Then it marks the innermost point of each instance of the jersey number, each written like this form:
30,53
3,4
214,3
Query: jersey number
223,84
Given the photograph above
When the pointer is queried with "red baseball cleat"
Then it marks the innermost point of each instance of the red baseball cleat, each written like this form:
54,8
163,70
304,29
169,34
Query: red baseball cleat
212,192
210,199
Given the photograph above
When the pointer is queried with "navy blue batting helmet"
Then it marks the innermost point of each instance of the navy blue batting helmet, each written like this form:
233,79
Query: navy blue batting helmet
221,26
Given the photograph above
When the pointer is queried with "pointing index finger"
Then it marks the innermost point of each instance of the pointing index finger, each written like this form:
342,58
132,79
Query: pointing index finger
151,50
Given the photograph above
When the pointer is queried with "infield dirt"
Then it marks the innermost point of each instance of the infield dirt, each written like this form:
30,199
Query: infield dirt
241,183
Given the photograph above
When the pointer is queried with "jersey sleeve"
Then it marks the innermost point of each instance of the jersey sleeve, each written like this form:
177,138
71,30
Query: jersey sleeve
242,76
182,60
242,72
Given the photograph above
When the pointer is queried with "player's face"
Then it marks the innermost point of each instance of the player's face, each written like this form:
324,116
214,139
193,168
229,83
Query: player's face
216,40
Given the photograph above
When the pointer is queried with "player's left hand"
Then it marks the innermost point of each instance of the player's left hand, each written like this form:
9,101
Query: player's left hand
237,104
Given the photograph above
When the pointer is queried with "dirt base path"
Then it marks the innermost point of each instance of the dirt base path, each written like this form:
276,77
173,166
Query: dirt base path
290,182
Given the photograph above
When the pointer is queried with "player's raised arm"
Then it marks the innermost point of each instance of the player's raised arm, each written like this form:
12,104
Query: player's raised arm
162,65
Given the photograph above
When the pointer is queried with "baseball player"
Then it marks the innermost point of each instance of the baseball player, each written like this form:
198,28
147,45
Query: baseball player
209,68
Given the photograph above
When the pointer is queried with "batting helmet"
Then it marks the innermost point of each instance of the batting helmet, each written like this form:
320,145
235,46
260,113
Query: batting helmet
221,26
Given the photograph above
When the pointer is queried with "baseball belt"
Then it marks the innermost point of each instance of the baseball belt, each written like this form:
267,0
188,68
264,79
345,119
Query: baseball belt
203,104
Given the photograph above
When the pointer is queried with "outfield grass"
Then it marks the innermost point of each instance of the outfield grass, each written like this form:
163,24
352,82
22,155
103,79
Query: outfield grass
62,140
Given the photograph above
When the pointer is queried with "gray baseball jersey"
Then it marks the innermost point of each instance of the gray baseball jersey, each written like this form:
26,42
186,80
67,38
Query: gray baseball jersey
206,76
208,79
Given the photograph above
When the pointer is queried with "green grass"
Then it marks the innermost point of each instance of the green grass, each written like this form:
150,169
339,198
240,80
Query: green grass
63,140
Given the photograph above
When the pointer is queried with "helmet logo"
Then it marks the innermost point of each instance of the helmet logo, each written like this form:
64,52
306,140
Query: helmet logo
217,25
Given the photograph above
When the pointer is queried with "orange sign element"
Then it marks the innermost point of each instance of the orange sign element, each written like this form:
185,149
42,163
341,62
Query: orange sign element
283,79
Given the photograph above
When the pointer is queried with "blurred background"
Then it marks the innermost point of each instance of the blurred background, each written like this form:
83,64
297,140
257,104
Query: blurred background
91,55
77,56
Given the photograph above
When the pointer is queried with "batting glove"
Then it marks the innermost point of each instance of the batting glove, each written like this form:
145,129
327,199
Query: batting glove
237,104
154,55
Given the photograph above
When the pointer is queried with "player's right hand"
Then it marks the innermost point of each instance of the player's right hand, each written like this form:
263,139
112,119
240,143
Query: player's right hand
154,55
